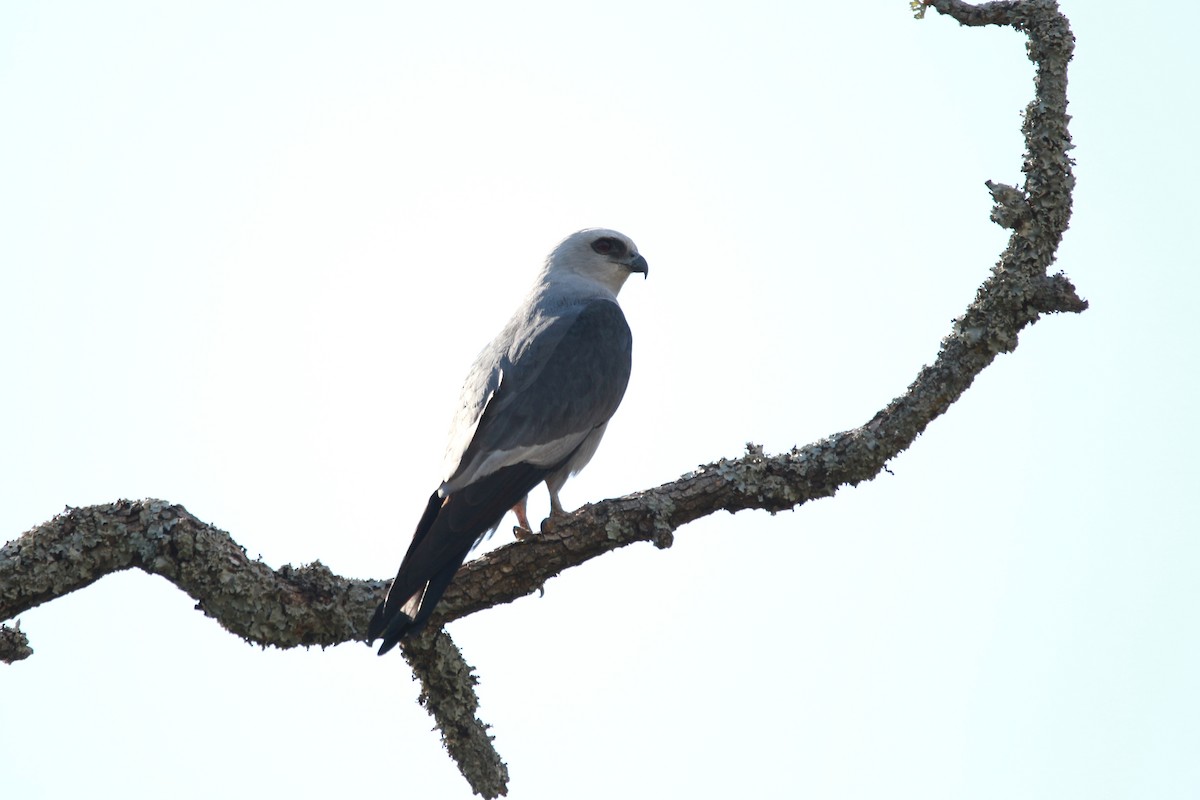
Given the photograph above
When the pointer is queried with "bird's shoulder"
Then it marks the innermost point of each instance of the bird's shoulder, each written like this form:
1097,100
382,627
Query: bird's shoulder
564,320
557,325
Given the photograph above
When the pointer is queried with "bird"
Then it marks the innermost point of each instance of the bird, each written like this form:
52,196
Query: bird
533,409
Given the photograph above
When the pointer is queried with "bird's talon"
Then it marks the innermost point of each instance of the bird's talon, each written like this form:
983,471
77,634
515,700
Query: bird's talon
521,533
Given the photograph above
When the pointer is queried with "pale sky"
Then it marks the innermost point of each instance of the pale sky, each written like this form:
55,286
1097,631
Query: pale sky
248,251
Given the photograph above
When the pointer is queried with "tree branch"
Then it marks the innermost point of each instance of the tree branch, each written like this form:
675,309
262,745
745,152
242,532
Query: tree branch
310,605
448,694
285,607
14,645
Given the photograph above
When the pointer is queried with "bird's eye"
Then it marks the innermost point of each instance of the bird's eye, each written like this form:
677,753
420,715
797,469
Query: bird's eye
608,246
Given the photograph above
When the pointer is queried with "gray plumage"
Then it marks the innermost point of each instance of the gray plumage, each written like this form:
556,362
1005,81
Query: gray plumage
533,408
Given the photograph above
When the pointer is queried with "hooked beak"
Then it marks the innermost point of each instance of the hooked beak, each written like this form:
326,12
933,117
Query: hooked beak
638,264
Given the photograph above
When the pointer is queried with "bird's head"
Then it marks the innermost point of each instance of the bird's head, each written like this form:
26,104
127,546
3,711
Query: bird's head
597,254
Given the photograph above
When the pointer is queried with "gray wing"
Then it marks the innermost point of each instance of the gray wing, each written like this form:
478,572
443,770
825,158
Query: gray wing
547,387
551,390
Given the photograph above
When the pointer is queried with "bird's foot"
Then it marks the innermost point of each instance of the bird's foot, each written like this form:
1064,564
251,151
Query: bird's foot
522,530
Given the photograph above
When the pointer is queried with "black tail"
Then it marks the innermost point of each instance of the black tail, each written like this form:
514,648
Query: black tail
388,620
448,530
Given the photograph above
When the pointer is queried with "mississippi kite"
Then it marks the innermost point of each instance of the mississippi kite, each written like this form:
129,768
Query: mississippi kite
533,408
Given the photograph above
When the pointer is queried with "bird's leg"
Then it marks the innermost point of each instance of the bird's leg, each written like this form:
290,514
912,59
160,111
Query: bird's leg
556,510
522,530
